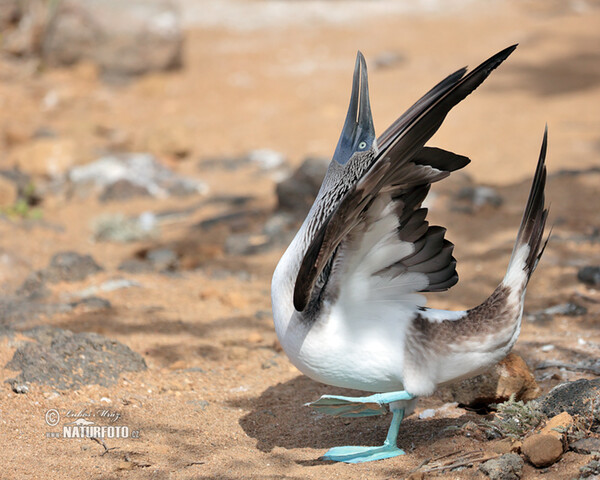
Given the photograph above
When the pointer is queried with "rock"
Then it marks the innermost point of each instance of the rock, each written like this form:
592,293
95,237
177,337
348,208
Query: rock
135,265
509,377
592,469
506,467
123,38
123,190
297,193
586,446
558,426
506,445
567,309
542,450
92,304
20,388
472,198
139,169
8,192
575,398
266,159
45,157
108,286
163,259
122,229
67,360
246,244
70,267
589,275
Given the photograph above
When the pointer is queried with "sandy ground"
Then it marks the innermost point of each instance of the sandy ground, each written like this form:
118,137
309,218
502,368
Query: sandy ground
219,399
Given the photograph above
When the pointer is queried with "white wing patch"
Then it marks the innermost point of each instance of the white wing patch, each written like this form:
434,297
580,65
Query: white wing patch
362,290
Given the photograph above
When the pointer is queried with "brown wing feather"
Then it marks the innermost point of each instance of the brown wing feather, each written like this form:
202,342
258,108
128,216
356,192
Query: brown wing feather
392,166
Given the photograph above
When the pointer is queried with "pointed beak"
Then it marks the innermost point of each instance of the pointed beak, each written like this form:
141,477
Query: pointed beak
358,126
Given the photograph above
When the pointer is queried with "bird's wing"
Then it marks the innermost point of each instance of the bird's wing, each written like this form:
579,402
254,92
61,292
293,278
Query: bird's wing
382,208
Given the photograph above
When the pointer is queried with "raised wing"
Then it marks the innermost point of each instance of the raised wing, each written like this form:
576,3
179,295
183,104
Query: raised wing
399,179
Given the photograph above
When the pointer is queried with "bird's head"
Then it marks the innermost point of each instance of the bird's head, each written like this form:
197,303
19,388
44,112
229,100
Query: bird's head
358,134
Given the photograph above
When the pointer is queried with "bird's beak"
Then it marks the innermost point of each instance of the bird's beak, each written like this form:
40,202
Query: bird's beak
358,126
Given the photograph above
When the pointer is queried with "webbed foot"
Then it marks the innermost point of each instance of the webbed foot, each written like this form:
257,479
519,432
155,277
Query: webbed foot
341,406
362,454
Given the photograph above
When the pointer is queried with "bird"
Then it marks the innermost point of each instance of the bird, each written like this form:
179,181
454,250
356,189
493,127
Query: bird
347,295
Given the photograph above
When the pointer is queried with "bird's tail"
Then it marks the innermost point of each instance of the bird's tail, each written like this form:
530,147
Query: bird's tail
530,244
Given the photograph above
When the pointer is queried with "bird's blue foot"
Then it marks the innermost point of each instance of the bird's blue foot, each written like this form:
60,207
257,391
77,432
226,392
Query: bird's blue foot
362,454
341,406
368,454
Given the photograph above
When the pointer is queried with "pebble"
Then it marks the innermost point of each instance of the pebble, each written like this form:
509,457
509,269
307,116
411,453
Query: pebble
572,397
70,267
20,388
297,193
591,470
558,426
589,275
542,450
510,376
505,467
163,259
586,446
567,309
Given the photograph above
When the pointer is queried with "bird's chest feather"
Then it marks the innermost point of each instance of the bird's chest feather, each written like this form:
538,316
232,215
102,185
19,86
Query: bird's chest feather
362,349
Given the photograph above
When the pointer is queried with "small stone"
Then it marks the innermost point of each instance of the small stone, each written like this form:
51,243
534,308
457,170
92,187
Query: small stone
575,398
123,38
505,445
297,193
93,304
266,159
123,190
558,426
162,259
70,267
590,276
135,265
590,470
542,450
567,309
20,388
586,446
246,244
510,376
472,198
67,360
506,467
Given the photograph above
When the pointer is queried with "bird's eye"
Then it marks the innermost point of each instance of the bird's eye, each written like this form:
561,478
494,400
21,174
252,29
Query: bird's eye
362,145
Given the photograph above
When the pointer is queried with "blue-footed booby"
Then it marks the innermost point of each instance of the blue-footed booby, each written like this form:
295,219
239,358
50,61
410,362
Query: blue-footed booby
346,301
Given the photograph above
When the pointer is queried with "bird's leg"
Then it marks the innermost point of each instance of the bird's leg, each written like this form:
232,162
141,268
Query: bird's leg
368,454
340,406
